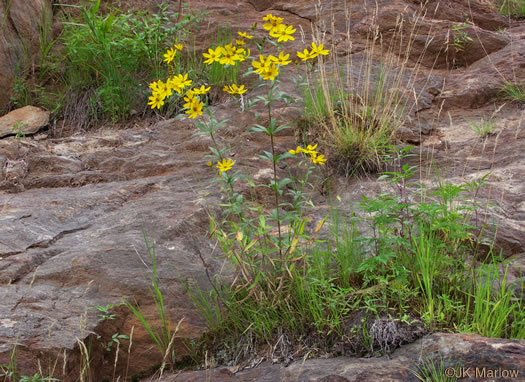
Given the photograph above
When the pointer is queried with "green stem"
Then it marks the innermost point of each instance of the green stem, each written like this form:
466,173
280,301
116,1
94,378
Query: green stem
276,189
220,157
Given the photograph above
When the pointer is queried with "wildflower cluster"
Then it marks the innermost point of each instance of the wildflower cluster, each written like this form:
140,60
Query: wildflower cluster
313,53
311,154
177,83
261,240
267,66
228,54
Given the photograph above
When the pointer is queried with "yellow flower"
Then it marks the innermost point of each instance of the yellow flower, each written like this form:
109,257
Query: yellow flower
273,22
169,55
244,35
283,33
240,42
163,90
178,46
270,72
179,82
233,89
156,85
202,90
261,64
298,150
175,84
305,56
229,55
318,159
242,54
310,150
195,108
155,101
225,165
319,50
189,97
281,60
209,164
212,55
184,80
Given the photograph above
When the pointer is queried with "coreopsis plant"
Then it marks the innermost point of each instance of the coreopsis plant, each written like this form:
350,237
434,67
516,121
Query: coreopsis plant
261,243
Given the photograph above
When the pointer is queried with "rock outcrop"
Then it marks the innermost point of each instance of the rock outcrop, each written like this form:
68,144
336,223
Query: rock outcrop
74,210
474,358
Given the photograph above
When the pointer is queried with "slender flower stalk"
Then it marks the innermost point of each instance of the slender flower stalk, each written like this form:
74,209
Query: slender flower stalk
275,184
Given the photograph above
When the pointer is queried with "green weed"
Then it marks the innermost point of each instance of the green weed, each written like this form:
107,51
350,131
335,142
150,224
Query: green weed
511,7
163,336
461,37
483,128
429,370
513,92
18,129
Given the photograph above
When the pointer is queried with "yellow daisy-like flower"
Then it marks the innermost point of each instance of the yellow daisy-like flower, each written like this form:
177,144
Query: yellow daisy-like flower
306,55
245,35
225,165
169,55
273,22
270,72
233,89
155,101
310,149
163,90
242,53
317,50
318,159
298,150
229,55
202,90
189,97
213,55
178,46
157,85
261,64
184,80
240,42
283,33
175,84
195,108
282,59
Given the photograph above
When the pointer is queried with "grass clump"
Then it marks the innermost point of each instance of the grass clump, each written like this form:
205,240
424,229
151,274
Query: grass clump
511,7
513,92
429,370
355,103
484,127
